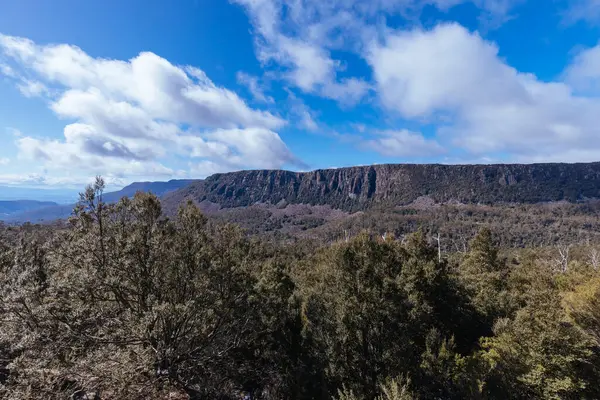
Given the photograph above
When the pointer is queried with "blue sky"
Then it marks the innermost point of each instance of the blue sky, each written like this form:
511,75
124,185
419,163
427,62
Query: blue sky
154,90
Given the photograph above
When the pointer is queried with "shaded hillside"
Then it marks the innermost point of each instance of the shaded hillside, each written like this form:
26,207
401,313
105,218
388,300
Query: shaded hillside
65,210
8,207
158,188
360,188
60,196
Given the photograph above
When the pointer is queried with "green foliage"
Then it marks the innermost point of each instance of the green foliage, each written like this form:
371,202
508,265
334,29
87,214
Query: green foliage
127,303
370,304
486,276
391,389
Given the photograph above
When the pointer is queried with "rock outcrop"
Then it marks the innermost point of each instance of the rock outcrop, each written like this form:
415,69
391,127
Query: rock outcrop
358,188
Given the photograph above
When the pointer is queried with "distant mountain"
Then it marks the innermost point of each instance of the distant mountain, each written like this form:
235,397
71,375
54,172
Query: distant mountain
367,187
158,188
61,196
8,207
62,211
360,188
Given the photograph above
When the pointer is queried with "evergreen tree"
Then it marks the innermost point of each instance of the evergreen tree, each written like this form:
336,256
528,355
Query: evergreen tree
485,275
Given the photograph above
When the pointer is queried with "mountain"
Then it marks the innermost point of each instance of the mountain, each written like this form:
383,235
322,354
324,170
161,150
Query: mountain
8,207
368,187
63,211
360,188
61,196
158,188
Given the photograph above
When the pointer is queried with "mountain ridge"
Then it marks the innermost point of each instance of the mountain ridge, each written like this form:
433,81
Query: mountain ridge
62,211
8,207
361,187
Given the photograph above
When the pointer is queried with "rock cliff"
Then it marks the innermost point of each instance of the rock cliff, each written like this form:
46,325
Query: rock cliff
359,188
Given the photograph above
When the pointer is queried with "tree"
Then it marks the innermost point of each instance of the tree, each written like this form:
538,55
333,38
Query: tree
369,305
132,303
538,352
356,313
485,276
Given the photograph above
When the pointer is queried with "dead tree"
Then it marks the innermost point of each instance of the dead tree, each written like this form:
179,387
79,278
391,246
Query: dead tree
439,247
594,258
562,262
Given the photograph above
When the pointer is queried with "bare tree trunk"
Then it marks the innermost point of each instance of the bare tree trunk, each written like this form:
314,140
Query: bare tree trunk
562,262
594,258
439,247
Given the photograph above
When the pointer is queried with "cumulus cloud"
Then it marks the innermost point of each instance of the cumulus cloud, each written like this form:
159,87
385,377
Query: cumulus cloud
166,91
256,147
455,78
128,117
404,144
584,72
300,35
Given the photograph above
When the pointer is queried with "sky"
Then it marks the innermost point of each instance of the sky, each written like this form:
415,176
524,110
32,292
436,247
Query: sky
155,90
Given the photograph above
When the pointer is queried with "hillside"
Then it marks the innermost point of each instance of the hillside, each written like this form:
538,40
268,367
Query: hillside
55,211
360,188
8,207
158,188
60,196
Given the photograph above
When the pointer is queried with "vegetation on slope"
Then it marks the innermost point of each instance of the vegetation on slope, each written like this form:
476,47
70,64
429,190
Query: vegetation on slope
126,303
8,207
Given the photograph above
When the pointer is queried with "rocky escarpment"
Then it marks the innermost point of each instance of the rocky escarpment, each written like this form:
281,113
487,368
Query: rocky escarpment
358,188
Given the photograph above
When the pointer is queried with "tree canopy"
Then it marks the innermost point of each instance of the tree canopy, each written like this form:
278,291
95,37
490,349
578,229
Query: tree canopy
127,303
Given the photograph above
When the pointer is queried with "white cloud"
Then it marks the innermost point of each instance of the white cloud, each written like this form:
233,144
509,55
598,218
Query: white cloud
583,10
4,161
255,147
128,117
164,90
31,88
14,132
43,180
487,106
7,70
584,72
303,116
309,64
254,87
307,121
21,179
206,168
405,144
446,69
301,35
91,152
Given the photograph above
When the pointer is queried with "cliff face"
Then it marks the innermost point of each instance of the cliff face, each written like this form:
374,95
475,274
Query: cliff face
358,188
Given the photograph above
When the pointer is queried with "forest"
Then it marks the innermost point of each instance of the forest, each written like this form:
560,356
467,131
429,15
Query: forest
127,302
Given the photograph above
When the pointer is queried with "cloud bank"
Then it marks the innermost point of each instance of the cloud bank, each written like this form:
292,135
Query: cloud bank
126,116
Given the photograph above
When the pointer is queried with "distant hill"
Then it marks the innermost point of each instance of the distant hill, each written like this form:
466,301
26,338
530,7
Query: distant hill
360,188
60,211
60,196
158,188
8,207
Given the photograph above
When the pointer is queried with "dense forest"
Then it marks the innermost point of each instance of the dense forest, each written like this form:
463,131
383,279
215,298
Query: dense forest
126,301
